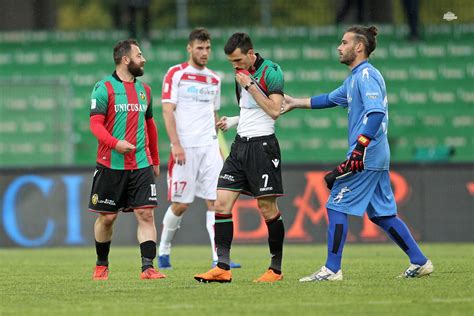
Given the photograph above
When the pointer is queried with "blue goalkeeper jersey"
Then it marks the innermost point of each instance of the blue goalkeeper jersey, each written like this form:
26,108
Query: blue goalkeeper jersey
362,93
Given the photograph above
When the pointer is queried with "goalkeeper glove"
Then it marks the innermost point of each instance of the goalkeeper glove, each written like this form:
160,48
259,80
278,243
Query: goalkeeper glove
355,163
338,173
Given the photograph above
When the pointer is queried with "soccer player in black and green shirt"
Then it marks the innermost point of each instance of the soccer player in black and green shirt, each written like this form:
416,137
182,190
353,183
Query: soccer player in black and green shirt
254,164
121,118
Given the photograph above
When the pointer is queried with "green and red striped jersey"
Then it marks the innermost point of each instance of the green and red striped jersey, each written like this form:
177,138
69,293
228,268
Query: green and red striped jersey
125,106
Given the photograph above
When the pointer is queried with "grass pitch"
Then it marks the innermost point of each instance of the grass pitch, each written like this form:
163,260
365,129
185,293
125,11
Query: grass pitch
58,281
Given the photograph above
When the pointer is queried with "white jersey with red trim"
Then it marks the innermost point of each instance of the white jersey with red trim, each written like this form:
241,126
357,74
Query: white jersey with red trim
197,94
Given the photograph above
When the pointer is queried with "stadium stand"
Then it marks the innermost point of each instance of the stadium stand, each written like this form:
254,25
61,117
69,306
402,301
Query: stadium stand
46,79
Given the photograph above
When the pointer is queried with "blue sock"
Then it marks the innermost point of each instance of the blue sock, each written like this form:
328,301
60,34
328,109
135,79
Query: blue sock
399,233
337,233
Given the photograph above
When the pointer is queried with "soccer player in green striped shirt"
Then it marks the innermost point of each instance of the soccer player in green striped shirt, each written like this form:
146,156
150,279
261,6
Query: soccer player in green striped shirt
121,118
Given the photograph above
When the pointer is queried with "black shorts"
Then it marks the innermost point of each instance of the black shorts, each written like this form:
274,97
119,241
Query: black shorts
122,190
253,167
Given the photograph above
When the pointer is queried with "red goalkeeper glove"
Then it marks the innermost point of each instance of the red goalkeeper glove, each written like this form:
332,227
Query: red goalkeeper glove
338,173
355,163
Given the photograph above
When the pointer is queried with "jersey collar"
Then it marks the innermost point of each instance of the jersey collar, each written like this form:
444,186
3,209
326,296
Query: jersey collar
120,80
258,62
356,68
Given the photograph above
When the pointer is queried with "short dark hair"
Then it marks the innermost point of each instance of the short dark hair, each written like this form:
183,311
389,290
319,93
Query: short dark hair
200,34
123,48
365,35
238,40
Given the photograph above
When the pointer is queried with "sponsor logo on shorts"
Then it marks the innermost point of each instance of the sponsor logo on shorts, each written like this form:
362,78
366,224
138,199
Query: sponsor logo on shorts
227,177
340,195
107,201
94,199
152,198
266,189
275,162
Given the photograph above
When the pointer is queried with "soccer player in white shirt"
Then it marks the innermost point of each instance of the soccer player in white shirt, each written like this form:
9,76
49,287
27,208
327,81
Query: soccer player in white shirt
191,98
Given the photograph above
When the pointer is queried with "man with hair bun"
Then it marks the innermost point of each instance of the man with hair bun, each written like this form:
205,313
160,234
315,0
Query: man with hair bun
362,182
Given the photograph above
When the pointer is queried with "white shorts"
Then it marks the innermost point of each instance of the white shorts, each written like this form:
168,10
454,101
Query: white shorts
198,177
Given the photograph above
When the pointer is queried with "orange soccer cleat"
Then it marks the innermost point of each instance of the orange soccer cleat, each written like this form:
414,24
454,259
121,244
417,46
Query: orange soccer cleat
152,274
269,276
100,273
215,275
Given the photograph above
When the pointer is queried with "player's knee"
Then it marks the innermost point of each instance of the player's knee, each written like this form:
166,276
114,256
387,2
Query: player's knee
375,219
145,215
106,220
267,208
378,220
178,209
210,204
221,207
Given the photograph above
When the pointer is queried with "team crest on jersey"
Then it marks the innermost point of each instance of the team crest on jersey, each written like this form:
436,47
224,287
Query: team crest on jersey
142,95
95,199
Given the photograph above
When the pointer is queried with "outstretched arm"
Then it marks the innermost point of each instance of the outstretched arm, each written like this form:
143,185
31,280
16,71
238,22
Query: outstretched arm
290,103
317,102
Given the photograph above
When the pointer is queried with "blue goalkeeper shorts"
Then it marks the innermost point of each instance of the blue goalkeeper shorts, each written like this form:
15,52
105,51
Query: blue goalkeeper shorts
368,190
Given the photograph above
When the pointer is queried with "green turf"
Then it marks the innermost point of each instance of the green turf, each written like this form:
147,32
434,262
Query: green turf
58,281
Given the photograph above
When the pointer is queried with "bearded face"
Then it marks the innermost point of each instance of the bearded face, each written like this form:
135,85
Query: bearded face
347,49
199,51
348,56
135,69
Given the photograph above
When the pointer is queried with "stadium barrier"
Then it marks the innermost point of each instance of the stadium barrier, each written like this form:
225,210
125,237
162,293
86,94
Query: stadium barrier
48,207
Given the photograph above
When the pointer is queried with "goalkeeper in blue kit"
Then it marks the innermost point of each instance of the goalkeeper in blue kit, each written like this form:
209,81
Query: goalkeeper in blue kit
362,182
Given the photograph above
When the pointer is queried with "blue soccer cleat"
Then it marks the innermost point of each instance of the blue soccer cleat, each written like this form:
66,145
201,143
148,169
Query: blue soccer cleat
233,265
164,262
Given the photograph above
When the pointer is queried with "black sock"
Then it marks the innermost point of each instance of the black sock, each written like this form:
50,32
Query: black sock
102,249
276,235
224,233
148,252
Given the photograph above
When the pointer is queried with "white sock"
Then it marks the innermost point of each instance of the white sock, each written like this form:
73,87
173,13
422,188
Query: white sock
210,221
171,224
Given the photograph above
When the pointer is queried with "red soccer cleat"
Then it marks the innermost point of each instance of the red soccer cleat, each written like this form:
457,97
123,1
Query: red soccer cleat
151,274
101,273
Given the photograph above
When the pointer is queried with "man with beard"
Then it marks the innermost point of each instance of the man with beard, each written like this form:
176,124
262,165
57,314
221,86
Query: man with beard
191,96
362,182
121,118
